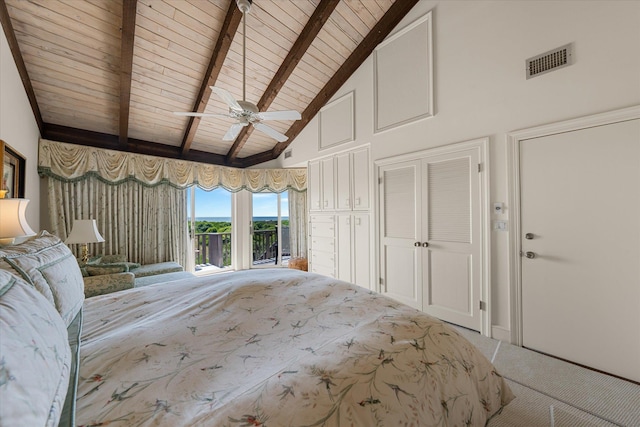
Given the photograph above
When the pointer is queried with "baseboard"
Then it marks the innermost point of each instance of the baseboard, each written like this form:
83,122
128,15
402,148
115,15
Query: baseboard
500,333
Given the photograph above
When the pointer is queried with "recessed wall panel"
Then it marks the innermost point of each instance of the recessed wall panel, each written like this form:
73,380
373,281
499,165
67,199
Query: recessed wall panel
403,76
337,122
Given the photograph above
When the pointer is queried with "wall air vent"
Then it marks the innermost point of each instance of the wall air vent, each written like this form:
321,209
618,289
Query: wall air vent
550,61
288,154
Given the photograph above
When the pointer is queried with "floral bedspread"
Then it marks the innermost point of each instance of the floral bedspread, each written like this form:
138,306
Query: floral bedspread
276,348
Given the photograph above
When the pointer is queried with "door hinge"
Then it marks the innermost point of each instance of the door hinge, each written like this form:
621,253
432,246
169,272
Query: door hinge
479,167
483,306
380,180
381,281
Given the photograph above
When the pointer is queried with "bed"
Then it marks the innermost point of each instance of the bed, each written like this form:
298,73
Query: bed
269,347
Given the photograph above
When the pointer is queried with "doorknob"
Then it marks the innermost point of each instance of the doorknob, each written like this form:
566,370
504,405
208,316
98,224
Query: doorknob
425,244
530,255
528,236
417,244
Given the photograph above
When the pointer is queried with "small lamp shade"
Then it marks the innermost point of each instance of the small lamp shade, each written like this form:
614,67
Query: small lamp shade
84,231
13,222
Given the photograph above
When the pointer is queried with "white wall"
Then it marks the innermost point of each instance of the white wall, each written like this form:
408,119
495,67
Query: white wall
480,87
18,127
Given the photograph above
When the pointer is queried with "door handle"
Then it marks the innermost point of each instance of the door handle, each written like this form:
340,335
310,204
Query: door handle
425,244
529,236
417,244
530,255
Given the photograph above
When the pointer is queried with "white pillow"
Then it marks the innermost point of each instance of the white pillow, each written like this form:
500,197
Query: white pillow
43,239
54,271
35,357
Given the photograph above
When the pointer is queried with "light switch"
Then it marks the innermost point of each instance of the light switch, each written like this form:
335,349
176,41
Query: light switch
500,225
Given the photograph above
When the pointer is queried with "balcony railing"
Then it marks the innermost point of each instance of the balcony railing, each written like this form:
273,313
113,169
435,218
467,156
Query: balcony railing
215,248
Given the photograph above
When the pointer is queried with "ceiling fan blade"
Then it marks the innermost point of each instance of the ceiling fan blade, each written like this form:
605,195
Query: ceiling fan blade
280,115
271,132
188,114
227,98
233,131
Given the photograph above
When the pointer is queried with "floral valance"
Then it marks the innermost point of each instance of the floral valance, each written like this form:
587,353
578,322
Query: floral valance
74,162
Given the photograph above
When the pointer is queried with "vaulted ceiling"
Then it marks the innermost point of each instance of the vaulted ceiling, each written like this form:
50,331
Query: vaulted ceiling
110,73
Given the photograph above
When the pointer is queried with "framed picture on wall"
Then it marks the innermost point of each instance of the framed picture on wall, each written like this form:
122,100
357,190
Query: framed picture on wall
13,172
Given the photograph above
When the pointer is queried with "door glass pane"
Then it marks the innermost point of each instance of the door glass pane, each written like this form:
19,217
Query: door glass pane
212,225
270,229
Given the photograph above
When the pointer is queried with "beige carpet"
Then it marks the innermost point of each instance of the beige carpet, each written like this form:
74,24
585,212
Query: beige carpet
551,392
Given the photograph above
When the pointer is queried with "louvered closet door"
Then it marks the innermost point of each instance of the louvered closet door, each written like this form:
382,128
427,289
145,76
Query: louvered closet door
451,222
400,202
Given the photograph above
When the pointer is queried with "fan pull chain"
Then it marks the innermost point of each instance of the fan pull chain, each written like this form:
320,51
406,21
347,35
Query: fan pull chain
244,56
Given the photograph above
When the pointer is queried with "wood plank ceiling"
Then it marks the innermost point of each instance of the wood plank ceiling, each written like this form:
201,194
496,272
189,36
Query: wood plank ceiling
110,73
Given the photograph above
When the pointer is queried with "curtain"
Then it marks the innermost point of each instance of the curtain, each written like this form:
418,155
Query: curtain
298,223
74,162
139,201
147,224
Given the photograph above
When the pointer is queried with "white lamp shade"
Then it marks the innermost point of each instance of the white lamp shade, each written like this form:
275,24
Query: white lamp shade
84,231
13,222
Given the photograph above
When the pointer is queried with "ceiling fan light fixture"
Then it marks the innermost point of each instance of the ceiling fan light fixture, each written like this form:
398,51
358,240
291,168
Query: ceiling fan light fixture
244,5
249,107
245,112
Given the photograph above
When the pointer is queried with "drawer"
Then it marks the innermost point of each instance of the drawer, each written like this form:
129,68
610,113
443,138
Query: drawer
325,219
324,270
322,230
323,258
326,244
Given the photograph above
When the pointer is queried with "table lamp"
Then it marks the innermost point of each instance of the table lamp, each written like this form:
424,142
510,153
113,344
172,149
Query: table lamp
84,231
13,222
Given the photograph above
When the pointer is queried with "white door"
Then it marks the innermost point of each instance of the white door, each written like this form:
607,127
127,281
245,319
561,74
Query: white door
580,224
360,176
400,229
361,250
353,249
315,186
328,187
431,234
451,227
344,247
343,181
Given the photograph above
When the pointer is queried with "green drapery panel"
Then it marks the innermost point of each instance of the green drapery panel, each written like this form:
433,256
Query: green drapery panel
298,223
146,224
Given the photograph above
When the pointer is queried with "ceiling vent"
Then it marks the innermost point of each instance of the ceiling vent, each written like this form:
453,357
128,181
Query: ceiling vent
288,154
550,61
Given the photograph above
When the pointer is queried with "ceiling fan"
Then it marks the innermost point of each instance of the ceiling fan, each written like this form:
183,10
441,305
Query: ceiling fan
243,111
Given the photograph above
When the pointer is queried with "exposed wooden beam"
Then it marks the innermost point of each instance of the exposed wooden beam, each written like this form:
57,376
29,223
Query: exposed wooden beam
112,142
317,20
378,33
17,58
126,65
255,159
223,44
